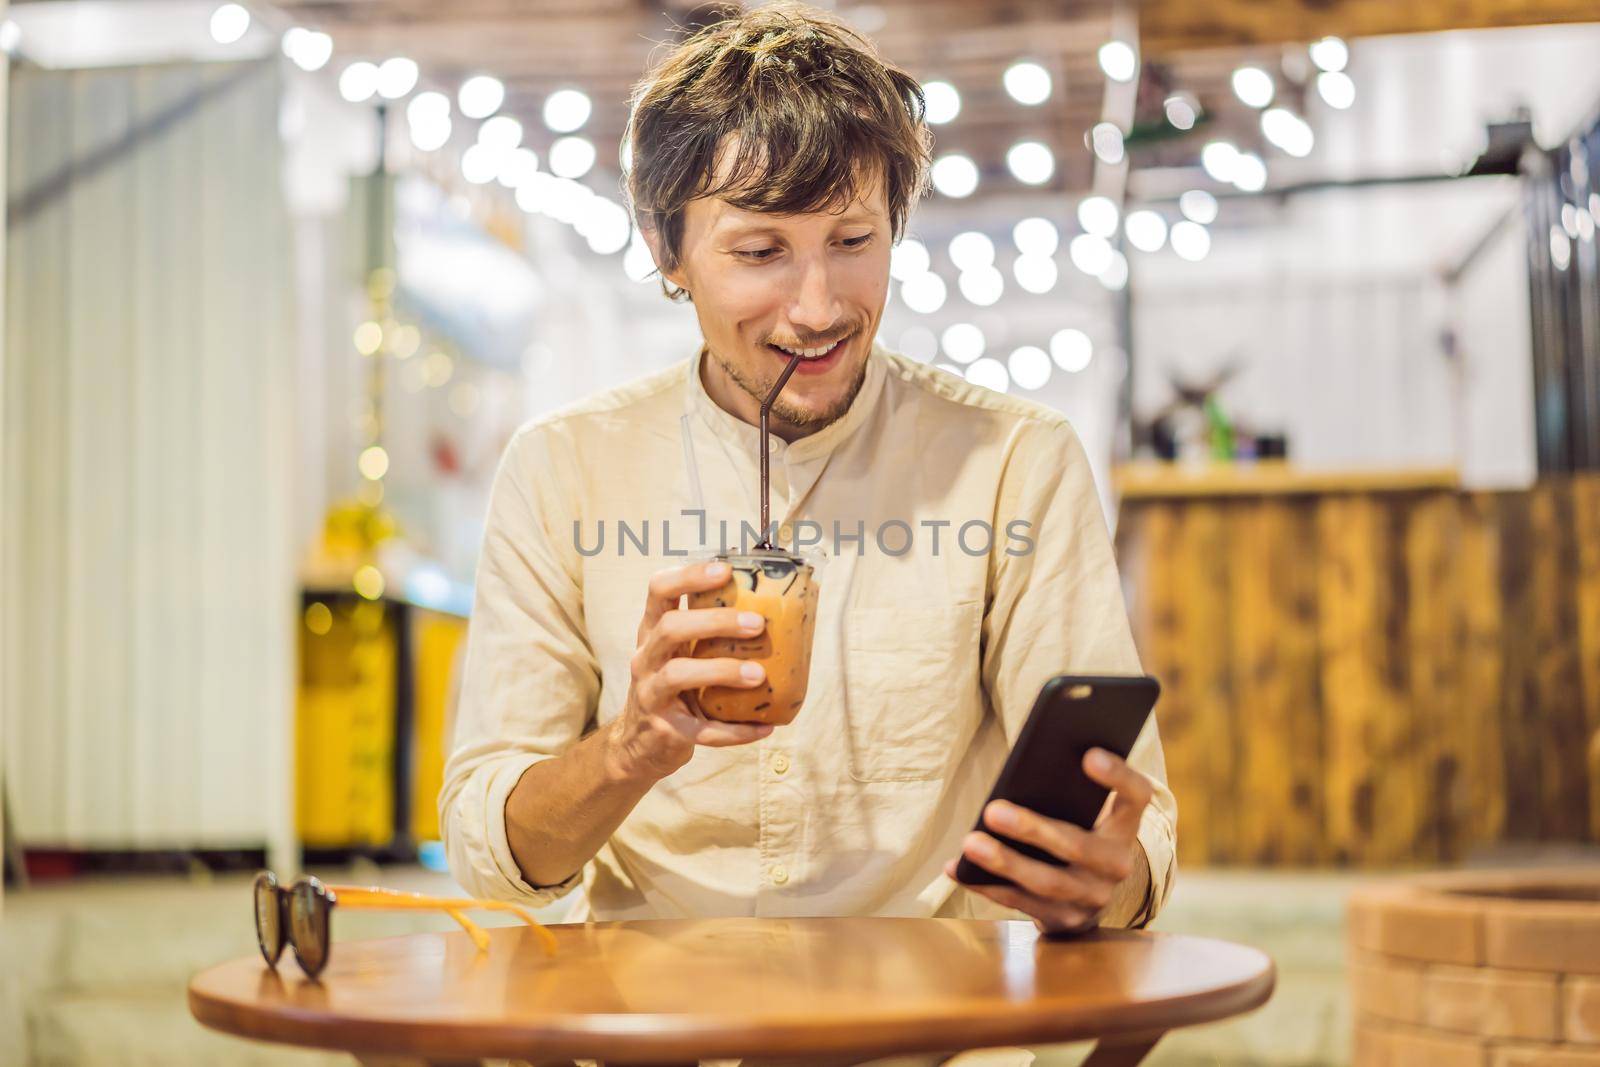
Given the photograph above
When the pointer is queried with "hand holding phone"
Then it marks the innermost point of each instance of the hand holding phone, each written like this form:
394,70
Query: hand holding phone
1036,846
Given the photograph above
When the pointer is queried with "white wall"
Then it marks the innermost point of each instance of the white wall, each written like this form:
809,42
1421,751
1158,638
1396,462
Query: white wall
1351,337
1357,344
5,693
1422,99
1490,323
150,601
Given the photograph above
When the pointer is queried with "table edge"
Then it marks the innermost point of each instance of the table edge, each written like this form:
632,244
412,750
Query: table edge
993,1025
877,1038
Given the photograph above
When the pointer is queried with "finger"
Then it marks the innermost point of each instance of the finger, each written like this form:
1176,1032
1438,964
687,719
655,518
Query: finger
678,627
1122,818
688,722
1080,887
666,586
726,734
657,687
1102,854
1049,914
1132,789
1113,772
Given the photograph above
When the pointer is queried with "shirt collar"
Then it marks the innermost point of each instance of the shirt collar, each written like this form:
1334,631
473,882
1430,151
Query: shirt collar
814,446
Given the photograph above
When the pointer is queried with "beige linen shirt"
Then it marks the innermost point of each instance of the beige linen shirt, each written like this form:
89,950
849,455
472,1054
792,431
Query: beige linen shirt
931,642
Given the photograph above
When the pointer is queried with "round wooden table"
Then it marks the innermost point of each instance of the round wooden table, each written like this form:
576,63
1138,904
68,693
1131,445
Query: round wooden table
834,990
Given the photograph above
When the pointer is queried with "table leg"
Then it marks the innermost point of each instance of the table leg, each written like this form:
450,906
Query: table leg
1124,1052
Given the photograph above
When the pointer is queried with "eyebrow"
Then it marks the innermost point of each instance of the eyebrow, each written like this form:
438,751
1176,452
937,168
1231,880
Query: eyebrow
741,230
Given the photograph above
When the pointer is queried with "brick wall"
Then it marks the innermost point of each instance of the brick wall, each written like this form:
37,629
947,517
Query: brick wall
1477,970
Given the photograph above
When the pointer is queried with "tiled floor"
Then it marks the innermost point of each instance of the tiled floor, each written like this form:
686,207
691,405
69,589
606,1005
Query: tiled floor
94,974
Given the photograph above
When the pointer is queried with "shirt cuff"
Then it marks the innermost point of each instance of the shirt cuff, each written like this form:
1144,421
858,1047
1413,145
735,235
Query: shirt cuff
1155,838
503,874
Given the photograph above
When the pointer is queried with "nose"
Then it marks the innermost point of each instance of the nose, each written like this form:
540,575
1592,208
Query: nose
814,306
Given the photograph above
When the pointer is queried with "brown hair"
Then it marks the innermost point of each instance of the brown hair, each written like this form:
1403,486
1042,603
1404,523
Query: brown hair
813,108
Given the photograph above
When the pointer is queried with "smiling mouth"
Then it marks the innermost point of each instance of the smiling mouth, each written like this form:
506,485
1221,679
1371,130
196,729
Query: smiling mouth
821,352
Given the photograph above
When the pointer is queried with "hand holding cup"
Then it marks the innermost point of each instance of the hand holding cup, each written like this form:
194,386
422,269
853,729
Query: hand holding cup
658,729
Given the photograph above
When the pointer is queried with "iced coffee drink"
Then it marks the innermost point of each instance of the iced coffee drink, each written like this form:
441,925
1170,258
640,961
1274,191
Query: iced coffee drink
780,587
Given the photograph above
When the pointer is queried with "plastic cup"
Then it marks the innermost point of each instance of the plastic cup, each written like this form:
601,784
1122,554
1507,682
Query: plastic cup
781,587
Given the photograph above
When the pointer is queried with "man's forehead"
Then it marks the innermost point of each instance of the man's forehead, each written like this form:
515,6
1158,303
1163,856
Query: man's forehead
870,198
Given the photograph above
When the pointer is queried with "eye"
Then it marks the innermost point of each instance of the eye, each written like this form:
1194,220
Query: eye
758,255
858,242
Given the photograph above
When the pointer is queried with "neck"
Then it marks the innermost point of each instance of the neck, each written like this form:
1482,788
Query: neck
728,395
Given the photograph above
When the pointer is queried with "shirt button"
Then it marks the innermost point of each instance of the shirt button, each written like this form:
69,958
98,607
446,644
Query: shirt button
780,763
780,874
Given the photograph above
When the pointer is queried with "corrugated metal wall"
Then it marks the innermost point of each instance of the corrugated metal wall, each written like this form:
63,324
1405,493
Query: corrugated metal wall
1562,204
148,586
5,81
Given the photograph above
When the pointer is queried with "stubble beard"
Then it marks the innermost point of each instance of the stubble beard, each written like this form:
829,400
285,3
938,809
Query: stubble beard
786,412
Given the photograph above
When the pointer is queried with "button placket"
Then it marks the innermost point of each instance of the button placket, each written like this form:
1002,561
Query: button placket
764,809
779,827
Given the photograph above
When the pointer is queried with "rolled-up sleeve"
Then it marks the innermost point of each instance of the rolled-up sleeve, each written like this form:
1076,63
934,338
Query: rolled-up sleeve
530,681
1058,608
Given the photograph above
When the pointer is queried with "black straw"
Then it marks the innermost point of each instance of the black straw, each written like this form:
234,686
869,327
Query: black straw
766,409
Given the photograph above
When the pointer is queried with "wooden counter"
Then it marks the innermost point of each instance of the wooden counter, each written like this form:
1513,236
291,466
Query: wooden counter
1147,481
1375,670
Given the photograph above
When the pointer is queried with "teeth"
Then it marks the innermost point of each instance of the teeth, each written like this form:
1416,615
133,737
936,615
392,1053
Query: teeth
809,353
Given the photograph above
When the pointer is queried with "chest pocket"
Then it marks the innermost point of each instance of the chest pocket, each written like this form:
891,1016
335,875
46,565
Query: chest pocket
912,698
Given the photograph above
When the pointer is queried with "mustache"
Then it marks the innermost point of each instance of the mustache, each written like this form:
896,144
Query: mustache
822,341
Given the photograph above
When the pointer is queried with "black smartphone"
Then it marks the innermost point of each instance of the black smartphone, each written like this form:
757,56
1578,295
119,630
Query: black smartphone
1044,772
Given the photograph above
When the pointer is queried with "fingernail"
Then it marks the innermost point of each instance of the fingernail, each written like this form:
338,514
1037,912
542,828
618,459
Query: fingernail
1099,761
717,570
752,672
749,620
1002,816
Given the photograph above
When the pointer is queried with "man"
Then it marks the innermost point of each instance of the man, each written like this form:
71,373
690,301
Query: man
775,159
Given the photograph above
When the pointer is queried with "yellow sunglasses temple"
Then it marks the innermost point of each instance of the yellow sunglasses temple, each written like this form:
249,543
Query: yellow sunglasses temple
397,900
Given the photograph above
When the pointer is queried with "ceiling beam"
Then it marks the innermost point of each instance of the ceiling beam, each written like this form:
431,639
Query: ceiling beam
1170,26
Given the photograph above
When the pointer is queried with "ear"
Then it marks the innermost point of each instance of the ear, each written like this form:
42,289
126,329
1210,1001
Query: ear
653,239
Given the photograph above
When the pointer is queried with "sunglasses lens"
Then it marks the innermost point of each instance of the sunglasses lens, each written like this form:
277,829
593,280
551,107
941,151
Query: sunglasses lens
308,926
269,927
